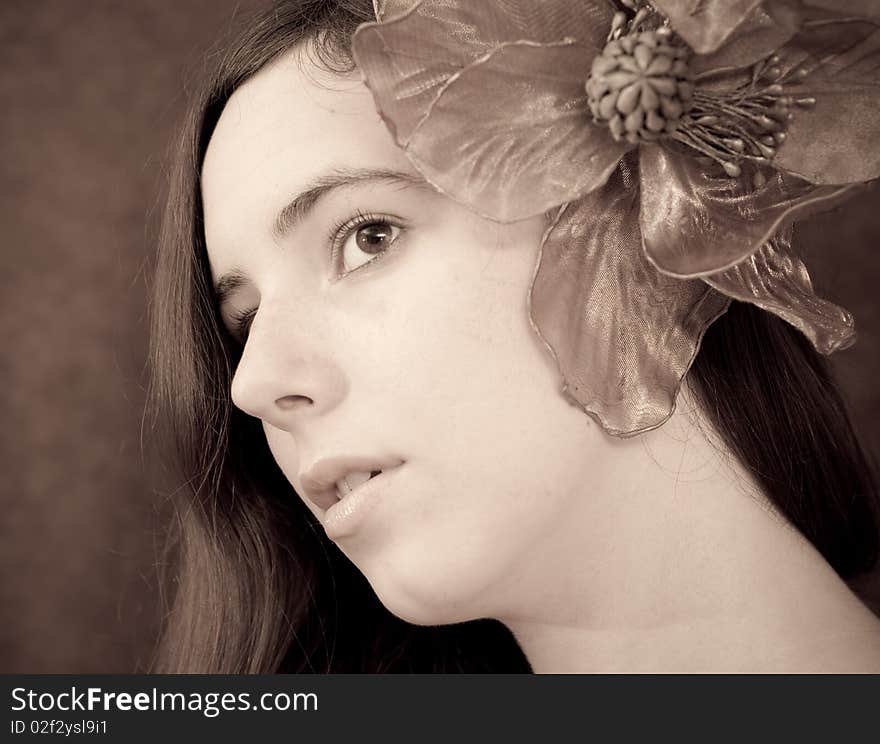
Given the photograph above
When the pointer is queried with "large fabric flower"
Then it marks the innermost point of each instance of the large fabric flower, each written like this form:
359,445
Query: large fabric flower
671,146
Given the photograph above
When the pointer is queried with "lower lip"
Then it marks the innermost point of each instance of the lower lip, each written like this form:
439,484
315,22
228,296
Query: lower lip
346,515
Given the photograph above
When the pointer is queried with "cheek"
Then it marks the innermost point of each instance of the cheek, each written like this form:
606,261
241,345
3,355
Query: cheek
482,388
497,452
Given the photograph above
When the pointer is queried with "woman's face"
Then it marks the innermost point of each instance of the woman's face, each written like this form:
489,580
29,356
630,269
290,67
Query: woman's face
391,323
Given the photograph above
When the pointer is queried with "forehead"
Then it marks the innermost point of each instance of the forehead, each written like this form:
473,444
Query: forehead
286,126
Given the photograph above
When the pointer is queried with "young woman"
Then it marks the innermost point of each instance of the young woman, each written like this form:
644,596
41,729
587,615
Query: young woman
326,313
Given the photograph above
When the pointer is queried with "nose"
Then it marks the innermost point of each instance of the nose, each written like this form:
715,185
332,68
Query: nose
286,374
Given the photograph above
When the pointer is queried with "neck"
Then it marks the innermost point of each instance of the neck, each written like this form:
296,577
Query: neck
697,574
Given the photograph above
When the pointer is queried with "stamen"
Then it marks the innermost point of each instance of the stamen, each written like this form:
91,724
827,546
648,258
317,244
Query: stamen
642,88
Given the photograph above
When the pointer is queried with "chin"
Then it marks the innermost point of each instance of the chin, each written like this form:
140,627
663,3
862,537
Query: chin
423,598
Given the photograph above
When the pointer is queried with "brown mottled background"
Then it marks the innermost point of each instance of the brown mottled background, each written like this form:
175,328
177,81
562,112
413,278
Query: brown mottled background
90,91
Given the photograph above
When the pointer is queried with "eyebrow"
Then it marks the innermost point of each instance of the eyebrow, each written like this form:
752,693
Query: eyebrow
305,202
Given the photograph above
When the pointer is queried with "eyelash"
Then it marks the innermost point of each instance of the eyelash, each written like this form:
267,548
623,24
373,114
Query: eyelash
337,237
341,231
241,324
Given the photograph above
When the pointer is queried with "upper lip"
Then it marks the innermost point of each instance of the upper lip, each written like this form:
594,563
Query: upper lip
319,481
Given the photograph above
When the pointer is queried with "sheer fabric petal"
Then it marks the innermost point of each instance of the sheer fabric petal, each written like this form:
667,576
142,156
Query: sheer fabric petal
776,280
705,24
499,21
528,144
386,9
766,29
407,59
694,223
865,8
623,334
835,140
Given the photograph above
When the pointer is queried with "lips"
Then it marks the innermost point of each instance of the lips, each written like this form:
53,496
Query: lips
319,482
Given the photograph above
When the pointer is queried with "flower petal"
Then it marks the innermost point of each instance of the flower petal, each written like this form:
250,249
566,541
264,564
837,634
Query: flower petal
776,280
623,334
766,29
511,20
705,24
864,8
511,136
406,59
695,223
835,140
386,9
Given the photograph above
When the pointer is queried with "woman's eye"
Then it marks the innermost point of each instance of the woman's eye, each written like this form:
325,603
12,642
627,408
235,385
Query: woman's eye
365,242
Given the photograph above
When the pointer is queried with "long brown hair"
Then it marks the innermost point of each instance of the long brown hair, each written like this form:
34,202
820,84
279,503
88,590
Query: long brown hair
257,586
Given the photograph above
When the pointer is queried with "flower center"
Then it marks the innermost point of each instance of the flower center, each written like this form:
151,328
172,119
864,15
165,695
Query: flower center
641,86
